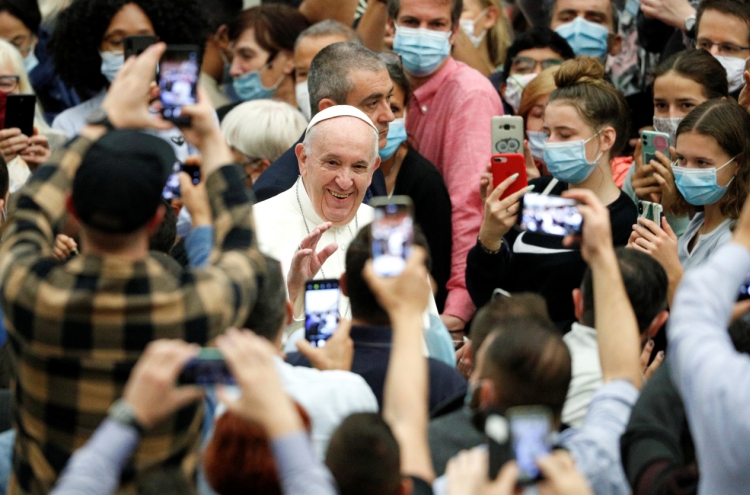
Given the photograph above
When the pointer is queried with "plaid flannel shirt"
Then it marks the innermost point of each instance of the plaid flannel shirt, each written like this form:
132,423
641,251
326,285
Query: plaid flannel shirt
78,327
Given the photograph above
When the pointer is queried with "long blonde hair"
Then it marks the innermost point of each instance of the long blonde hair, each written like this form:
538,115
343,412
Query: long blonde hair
499,37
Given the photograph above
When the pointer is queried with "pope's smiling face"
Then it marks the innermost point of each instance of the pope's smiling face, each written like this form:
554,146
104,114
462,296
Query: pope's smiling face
336,166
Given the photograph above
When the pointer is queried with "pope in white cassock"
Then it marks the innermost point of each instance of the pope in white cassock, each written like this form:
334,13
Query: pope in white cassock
336,161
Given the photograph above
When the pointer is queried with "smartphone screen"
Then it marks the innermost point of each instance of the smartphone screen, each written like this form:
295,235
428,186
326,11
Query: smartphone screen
172,187
321,310
530,429
550,215
392,236
179,69
208,368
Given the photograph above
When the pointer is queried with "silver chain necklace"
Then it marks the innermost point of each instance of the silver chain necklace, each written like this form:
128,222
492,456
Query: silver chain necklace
304,220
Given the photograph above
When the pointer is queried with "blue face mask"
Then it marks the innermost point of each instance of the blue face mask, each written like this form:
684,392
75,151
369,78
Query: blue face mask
585,37
537,139
422,50
249,86
30,61
699,186
396,136
567,161
111,64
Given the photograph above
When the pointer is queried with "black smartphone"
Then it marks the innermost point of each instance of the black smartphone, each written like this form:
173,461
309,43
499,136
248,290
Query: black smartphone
194,171
135,45
172,187
744,289
530,431
19,112
321,310
179,70
498,437
208,368
392,234
551,215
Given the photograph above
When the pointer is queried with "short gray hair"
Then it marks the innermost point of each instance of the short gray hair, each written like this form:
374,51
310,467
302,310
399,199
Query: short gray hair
457,7
313,131
330,27
263,128
329,71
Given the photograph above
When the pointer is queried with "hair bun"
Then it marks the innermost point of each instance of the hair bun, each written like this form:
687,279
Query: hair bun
579,70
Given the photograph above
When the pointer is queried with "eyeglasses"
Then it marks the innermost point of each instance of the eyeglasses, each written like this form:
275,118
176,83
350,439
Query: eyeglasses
527,65
8,84
726,49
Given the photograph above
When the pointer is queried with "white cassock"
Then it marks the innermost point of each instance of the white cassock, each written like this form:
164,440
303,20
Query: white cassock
282,222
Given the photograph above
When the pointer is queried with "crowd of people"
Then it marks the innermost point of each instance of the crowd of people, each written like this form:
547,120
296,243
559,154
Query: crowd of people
198,169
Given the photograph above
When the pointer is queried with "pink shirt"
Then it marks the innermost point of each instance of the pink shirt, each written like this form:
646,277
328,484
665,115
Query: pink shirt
449,124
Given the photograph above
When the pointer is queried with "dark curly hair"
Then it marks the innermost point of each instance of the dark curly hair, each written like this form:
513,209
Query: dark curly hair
80,28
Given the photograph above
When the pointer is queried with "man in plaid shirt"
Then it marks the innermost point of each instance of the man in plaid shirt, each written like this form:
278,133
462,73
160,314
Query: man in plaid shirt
77,328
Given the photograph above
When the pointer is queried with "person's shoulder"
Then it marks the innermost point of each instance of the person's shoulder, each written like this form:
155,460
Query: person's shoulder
73,119
447,374
473,82
345,383
623,211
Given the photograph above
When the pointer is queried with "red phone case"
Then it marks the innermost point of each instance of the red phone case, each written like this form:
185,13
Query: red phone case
506,164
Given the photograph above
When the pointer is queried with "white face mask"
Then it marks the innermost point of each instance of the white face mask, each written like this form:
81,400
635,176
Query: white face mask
514,86
668,126
536,143
303,98
735,67
469,25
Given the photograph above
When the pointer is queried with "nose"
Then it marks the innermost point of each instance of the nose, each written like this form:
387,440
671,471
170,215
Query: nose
714,50
344,179
235,70
386,116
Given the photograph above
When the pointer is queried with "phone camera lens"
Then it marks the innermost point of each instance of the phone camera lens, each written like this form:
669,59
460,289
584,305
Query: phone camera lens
506,127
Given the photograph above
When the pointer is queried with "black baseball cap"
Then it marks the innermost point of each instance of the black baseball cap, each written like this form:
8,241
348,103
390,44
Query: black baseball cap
119,183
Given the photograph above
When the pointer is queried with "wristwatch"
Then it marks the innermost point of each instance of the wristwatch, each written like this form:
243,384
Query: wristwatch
690,23
122,412
99,117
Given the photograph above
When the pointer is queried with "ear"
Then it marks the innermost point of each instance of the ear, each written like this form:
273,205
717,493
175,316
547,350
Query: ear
155,221
608,136
658,322
299,150
578,303
454,32
264,164
221,37
615,44
289,314
70,208
326,103
487,395
342,285
490,17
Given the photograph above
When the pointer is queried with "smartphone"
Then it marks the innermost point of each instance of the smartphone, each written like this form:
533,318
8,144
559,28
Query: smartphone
135,45
505,165
550,215
530,436
194,171
744,289
507,134
179,70
19,112
321,310
208,368
652,142
497,430
392,234
652,211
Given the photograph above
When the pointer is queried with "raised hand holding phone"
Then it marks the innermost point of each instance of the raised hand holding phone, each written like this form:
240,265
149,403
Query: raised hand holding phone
499,214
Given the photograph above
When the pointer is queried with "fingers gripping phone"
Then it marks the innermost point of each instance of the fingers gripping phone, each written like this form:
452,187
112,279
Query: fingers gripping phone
507,134
321,310
651,142
530,434
179,70
505,165
392,234
551,215
208,368
652,211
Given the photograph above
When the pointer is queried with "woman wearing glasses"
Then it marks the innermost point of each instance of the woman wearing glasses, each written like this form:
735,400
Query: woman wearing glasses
23,154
